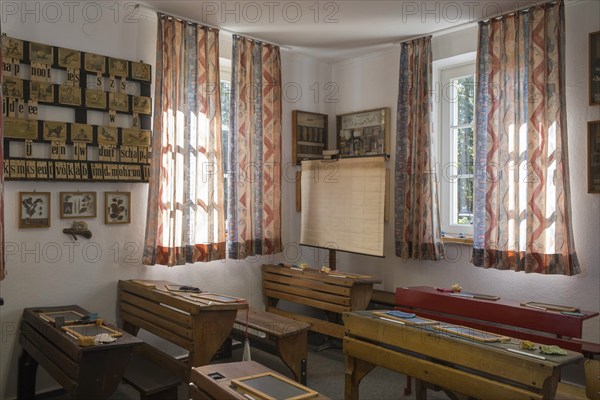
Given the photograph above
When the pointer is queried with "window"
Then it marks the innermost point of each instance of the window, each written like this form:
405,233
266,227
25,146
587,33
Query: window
457,141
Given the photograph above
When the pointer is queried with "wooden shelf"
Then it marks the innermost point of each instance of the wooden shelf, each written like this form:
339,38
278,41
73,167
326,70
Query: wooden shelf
467,241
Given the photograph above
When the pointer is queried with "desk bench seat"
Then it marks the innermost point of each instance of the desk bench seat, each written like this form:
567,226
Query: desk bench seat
289,337
150,380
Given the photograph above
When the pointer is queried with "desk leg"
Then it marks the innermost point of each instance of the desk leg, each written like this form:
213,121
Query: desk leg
292,351
26,376
420,390
355,370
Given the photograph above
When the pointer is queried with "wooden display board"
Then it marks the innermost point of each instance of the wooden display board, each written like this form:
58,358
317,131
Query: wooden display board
46,150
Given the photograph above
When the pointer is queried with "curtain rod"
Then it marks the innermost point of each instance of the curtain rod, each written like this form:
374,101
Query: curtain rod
185,19
475,22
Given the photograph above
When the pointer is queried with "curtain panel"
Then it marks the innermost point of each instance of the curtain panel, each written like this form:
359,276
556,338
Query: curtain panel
186,205
2,252
522,204
417,221
254,153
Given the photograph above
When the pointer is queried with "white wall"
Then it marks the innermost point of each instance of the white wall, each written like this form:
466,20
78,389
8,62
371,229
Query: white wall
40,269
372,81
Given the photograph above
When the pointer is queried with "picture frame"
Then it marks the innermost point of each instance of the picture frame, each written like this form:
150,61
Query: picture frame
364,132
594,61
12,87
55,131
593,159
19,128
41,53
89,331
108,135
95,99
34,210
69,95
68,58
118,102
12,48
82,133
117,207
77,205
140,71
309,135
69,316
41,91
271,386
118,67
94,63
142,105
136,137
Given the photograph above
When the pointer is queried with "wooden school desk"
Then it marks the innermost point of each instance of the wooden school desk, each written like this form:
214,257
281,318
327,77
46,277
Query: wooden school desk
334,293
212,382
197,324
459,365
84,372
503,316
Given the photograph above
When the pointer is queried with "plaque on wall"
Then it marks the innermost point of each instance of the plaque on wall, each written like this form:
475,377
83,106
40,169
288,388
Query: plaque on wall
55,131
95,99
12,48
118,102
117,67
94,63
82,133
18,128
68,58
41,91
12,87
142,105
69,95
364,132
140,71
41,53
108,135
136,137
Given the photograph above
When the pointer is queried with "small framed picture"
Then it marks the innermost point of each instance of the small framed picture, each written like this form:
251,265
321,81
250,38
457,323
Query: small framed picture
94,62
34,209
41,53
95,99
142,105
55,131
595,68
140,71
68,58
41,91
78,204
117,67
118,102
309,135
82,133
12,48
117,207
69,95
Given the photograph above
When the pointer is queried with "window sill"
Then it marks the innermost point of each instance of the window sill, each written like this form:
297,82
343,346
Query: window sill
467,241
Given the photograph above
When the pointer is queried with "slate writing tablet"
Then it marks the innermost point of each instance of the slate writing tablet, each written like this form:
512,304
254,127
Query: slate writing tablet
269,386
70,316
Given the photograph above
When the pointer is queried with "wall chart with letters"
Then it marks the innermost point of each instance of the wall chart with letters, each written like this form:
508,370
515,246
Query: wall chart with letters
37,75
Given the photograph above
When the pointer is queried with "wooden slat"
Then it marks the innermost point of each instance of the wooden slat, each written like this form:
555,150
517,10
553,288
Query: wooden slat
529,371
157,320
308,293
349,280
61,340
317,325
170,336
172,315
159,297
271,323
55,370
308,283
437,374
49,348
306,301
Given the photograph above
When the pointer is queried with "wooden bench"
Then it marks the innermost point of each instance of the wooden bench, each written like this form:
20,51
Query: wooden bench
591,390
334,293
288,336
150,380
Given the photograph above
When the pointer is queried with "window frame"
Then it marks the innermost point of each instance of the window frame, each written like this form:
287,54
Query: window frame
448,150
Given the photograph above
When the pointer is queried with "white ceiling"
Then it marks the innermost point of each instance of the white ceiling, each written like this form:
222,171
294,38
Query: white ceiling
340,29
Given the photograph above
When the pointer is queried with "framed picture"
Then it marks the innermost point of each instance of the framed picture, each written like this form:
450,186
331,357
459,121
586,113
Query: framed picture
34,209
41,53
69,95
595,68
68,58
12,87
41,91
94,62
82,133
136,137
117,207
140,71
18,128
78,204
95,99
309,135
364,133
12,48
55,131
118,102
142,105
108,135
594,157
117,67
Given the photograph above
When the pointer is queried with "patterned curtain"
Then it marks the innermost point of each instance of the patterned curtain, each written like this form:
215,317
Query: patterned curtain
2,253
522,200
254,154
418,232
186,221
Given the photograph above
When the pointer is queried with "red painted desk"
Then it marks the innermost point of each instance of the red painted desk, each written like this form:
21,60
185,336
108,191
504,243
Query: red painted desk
503,316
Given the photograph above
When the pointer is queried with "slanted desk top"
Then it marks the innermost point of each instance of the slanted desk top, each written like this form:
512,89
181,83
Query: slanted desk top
473,368
189,320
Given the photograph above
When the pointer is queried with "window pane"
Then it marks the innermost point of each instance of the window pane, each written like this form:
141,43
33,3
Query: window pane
464,150
465,99
464,212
